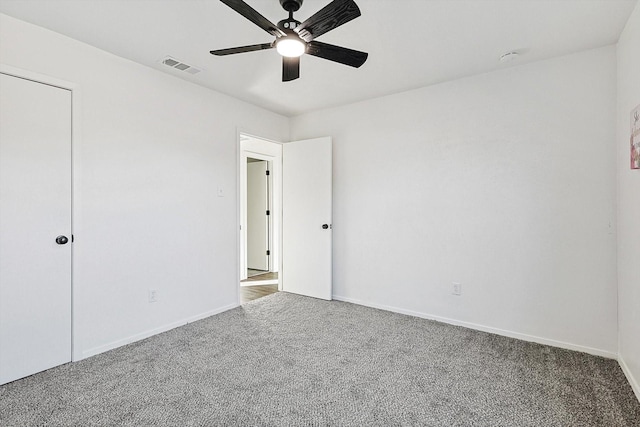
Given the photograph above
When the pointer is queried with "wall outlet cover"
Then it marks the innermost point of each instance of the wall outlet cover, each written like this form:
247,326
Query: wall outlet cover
153,295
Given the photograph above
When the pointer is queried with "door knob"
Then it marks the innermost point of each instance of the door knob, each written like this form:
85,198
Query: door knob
61,240
325,226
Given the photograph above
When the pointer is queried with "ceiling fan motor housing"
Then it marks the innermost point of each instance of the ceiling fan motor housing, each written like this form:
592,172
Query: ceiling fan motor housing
291,5
287,25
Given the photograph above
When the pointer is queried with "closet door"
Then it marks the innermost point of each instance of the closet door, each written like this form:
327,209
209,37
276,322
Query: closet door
35,227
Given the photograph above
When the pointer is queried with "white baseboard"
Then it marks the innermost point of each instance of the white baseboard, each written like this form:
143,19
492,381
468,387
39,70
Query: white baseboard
260,283
503,332
632,380
146,334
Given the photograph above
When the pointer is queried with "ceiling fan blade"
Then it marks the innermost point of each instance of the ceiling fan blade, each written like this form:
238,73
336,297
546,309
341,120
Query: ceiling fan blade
290,68
241,49
248,12
331,16
353,58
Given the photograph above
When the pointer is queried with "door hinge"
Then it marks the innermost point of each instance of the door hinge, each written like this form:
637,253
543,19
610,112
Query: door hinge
268,212
268,173
72,238
268,252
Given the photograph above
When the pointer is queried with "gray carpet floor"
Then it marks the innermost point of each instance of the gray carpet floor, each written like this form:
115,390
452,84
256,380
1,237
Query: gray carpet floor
286,360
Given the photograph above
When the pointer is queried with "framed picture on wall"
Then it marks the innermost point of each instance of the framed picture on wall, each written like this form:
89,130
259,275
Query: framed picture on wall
635,138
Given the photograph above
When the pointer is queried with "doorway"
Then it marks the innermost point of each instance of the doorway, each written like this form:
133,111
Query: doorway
260,214
258,225
301,211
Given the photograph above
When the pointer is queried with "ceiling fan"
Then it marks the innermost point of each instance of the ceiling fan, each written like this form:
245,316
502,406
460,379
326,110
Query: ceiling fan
293,39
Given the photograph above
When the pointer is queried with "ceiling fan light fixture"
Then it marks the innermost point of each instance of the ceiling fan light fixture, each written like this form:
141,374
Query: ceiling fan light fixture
291,46
294,38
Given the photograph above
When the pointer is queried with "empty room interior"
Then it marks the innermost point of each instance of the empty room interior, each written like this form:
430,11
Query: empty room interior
287,212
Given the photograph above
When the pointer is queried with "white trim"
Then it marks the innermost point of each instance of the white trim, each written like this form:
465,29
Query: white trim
244,190
146,334
76,108
273,154
36,77
259,282
489,329
627,372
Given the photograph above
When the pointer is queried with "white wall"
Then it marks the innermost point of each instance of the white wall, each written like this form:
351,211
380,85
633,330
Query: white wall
152,153
629,204
504,182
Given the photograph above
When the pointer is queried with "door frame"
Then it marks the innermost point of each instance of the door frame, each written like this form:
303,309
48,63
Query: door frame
268,202
76,348
261,148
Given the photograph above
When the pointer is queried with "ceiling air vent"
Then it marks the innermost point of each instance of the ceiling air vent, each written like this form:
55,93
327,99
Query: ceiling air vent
174,63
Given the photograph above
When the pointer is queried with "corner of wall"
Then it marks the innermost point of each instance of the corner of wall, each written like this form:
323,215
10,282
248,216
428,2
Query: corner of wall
628,204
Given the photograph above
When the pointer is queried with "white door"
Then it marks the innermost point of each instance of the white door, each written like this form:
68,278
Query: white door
306,217
35,208
257,219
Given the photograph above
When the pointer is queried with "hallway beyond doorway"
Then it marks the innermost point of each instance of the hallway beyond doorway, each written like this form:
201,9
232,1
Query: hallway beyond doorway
250,293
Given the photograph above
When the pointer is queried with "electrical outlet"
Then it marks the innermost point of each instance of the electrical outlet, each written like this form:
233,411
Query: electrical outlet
153,295
457,289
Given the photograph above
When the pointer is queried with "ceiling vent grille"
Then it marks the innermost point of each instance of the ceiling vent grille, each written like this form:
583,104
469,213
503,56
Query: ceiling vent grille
180,66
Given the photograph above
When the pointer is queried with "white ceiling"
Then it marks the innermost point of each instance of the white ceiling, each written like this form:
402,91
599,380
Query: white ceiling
411,43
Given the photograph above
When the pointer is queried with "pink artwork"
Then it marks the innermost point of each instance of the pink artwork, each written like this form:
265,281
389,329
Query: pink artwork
635,138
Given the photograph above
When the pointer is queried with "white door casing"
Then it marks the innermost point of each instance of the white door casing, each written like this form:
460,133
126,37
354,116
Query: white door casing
270,151
257,220
35,207
307,207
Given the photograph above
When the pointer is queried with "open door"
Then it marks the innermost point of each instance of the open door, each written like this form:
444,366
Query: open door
306,218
